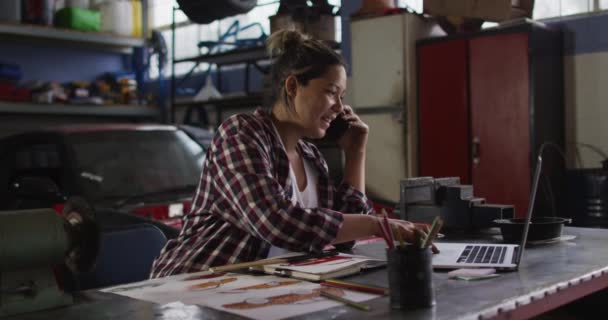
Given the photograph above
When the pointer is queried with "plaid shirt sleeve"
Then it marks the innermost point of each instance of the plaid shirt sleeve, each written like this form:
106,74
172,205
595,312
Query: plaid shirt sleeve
350,200
344,198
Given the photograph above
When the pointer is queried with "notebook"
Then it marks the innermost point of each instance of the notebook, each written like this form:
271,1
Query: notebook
490,255
321,268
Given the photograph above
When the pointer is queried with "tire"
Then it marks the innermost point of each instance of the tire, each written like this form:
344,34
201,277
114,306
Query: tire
201,11
239,6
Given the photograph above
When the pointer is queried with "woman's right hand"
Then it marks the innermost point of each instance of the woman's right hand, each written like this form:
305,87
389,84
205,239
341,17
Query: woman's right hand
410,232
405,228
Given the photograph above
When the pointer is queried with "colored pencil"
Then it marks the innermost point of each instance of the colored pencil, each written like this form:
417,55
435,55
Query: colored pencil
399,237
238,266
263,262
418,234
355,287
384,233
348,302
389,231
435,227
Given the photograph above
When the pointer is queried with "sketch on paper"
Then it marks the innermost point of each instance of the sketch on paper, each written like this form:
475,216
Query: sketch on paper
284,299
139,285
211,284
265,297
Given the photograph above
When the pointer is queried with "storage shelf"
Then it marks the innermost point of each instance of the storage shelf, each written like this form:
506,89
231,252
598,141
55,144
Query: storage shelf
243,55
230,57
79,110
235,101
101,40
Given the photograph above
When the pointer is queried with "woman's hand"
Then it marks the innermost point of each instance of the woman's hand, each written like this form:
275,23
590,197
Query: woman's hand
355,138
413,233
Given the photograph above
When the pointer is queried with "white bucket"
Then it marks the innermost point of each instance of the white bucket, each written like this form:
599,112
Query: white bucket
117,17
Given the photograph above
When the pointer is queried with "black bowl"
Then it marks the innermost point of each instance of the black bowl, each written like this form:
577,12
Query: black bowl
541,228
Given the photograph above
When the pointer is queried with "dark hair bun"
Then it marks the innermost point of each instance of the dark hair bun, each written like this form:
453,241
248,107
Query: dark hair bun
282,41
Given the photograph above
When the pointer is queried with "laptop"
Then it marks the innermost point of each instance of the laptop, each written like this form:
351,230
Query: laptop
487,255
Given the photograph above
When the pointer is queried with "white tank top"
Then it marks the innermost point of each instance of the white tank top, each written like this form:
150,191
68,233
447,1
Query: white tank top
307,198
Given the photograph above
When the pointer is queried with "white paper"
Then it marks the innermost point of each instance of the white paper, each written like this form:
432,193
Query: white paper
255,297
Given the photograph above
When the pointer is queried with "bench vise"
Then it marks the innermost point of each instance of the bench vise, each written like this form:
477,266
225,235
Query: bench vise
35,244
424,198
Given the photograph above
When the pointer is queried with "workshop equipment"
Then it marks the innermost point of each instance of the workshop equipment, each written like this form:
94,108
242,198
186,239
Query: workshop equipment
424,198
587,196
36,246
318,19
541,228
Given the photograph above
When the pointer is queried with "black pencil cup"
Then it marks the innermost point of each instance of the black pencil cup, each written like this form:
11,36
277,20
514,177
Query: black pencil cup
410,277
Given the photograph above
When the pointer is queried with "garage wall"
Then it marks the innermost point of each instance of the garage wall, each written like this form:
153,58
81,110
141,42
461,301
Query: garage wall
586,87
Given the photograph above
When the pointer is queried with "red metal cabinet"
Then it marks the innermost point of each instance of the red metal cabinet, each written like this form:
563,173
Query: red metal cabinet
443,114
487,101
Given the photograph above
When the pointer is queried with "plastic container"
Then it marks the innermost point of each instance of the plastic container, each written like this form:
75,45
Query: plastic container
116,17
10,11
79,19
38,11
136,10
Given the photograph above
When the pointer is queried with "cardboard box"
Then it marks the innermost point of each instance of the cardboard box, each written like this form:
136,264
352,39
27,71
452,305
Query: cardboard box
489,10
522,8
321,27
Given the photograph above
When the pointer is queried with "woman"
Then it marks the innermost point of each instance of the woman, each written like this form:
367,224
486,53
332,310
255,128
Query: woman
263,189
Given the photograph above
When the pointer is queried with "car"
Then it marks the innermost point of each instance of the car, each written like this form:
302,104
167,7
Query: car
147,170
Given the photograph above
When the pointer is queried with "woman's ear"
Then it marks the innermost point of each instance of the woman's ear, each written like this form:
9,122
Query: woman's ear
291,86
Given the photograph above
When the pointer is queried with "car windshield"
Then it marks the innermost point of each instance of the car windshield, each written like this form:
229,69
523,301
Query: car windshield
119,164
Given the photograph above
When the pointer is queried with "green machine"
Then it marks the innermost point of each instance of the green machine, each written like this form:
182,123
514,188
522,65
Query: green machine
34,245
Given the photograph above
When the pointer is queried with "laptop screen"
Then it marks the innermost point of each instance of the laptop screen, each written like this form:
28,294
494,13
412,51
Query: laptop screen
522,244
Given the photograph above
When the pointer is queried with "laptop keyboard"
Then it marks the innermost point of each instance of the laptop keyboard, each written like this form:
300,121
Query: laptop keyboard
483,254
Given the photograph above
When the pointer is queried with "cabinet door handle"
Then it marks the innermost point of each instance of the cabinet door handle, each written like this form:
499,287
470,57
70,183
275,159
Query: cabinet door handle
475,151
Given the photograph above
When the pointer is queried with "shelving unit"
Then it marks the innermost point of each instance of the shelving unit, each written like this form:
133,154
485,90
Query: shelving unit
250,56
233,101
140,112
242,55
97,40
239,101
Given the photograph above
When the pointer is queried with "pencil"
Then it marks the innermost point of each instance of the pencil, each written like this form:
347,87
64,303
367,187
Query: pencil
237,266
355,287
437,223
389,231
275,260
383,233
347,302
399,237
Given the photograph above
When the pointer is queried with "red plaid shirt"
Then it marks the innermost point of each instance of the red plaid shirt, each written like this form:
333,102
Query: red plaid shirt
243,202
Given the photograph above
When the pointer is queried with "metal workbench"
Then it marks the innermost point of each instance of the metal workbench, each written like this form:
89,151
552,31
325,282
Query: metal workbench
549,276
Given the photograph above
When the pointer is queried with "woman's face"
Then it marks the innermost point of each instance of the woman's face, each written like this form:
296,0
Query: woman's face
319,102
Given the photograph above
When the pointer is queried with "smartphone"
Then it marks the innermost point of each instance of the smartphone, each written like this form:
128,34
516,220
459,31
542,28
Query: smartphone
337,128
